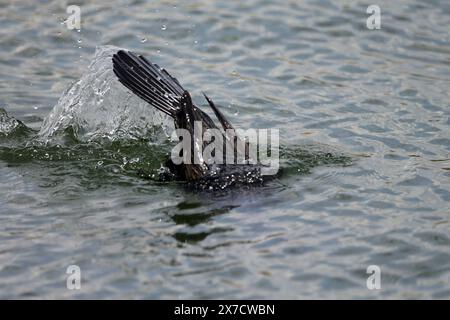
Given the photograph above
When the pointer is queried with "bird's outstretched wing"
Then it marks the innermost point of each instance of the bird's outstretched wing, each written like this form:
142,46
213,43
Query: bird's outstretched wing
148,81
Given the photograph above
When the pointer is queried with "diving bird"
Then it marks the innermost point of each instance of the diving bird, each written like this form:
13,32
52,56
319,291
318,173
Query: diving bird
158,88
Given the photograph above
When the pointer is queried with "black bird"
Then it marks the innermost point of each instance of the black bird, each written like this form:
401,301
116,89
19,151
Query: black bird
158,88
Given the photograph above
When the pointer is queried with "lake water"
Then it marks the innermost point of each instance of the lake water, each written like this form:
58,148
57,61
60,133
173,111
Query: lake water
364,128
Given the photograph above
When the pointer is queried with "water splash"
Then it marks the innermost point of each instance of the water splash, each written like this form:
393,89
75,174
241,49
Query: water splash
97,107
7,123
12,129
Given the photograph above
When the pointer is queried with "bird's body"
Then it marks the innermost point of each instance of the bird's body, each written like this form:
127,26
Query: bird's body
157,87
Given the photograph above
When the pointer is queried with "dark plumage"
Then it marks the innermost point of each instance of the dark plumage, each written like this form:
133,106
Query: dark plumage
157,87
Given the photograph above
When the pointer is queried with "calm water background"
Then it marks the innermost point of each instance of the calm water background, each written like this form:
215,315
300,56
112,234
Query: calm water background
309,68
